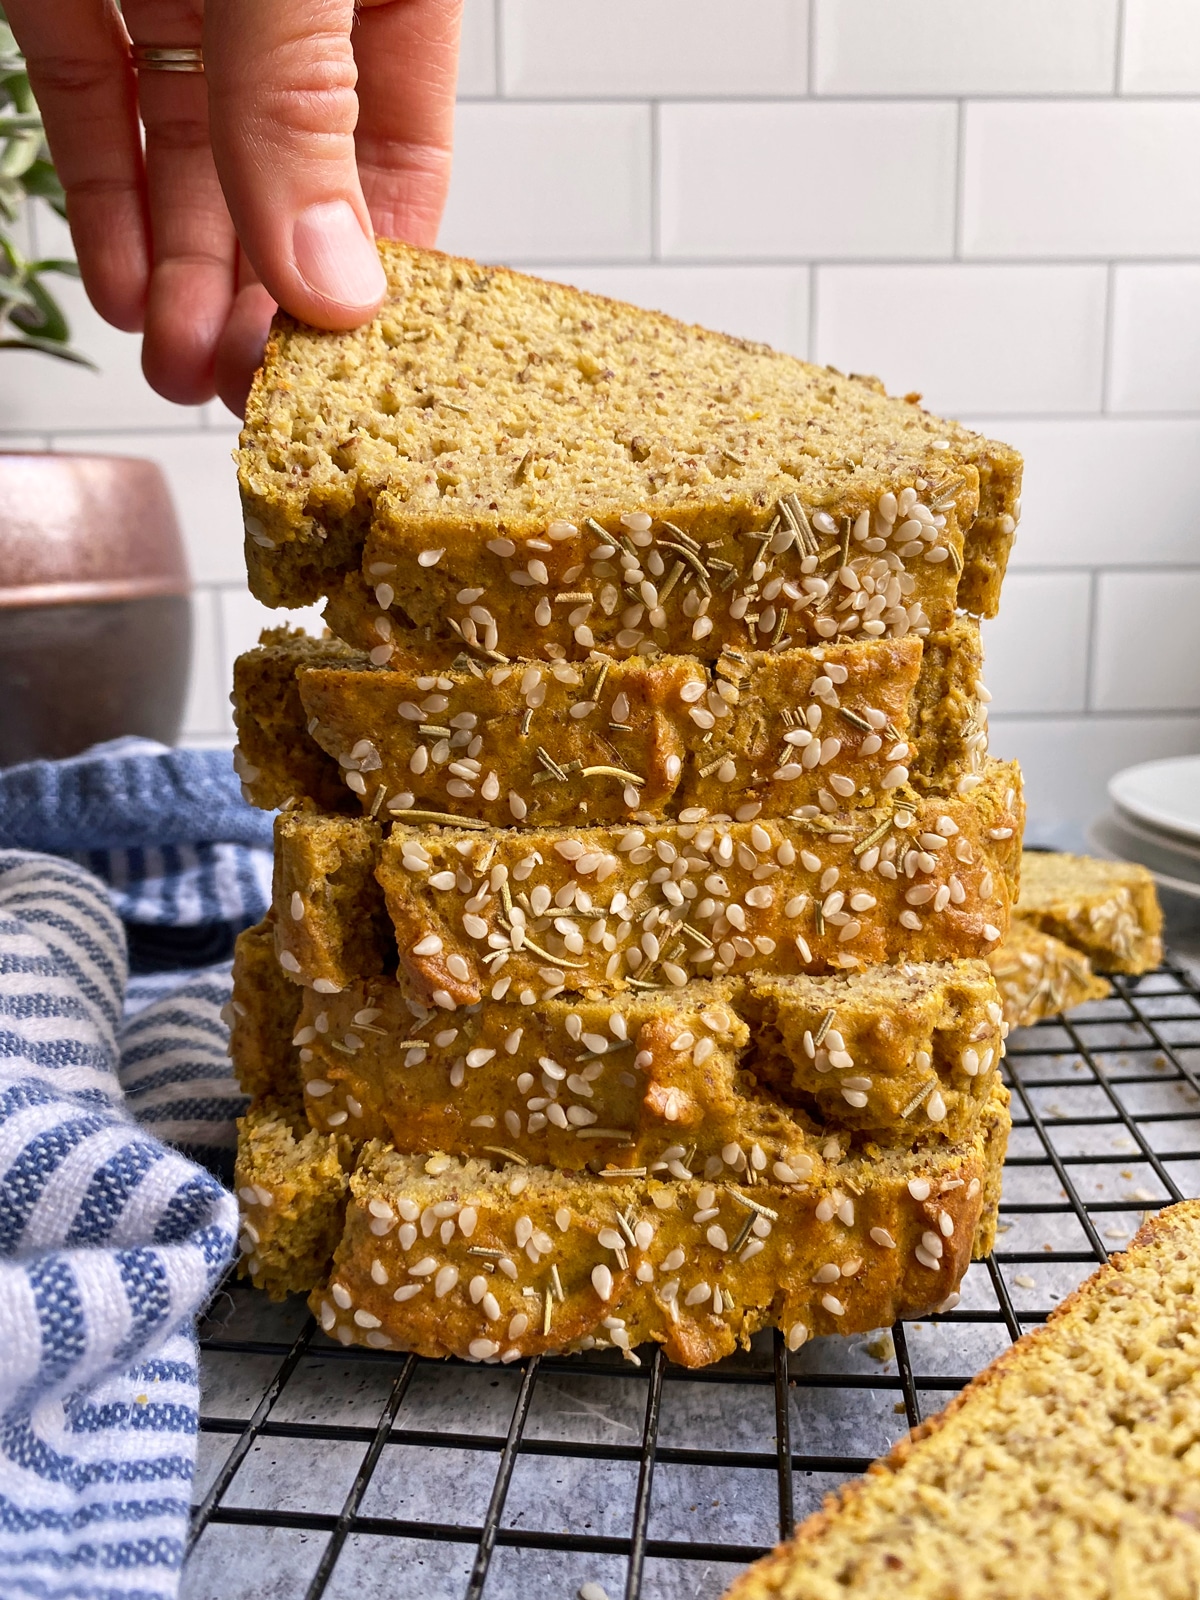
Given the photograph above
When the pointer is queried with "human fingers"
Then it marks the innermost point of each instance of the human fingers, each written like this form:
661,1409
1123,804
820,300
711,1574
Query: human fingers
282,95
241,344
407,54
193,243
80,70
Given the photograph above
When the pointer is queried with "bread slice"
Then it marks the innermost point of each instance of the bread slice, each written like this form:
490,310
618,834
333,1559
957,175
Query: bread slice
447,1257
291,1185
605,741
335,925
541,1261
1039,976
276,758
262,1015
889,1055
1065,1468
496,453
1107,909
524,914
949,727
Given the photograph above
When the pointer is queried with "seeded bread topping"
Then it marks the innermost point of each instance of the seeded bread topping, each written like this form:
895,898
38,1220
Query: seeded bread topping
637,842
455,1258
526,914
639,586
1039,976
746,1072
561,743
1107,909
1065,1468
521,468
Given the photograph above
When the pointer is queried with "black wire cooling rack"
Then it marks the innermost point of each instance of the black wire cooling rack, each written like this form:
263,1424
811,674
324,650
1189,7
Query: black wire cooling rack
333,1472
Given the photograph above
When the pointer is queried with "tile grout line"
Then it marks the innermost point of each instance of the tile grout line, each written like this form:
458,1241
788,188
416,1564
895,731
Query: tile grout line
497,51
1098,718
655,182
1106,355
960,177
1090,658
745,98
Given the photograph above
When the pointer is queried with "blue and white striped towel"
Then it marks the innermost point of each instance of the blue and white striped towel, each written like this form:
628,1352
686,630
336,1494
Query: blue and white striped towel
110,1240
187,861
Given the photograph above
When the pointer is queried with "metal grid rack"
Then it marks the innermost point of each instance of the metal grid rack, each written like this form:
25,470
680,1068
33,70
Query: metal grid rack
331,1472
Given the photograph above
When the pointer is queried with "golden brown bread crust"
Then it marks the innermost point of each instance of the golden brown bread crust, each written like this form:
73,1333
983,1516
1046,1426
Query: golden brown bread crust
779,896
1132,1497
262,1015
889,1055
437,1255
1039,976
291,1185
560,743
1107,909
484,407
948,732
275,757
325,891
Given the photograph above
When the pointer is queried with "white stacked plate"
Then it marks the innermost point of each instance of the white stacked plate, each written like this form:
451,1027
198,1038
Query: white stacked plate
1155,820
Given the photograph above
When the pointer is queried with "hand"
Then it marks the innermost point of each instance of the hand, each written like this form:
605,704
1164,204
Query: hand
316,125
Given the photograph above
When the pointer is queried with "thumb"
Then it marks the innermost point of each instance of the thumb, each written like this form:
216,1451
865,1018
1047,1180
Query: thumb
282,110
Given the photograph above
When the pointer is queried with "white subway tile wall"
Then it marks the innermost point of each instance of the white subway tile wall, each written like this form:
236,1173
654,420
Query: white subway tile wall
993,204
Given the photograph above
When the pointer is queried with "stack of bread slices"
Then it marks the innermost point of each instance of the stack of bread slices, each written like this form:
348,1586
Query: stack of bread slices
639,857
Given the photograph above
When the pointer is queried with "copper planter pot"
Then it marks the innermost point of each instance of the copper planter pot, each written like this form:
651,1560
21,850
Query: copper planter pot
95,622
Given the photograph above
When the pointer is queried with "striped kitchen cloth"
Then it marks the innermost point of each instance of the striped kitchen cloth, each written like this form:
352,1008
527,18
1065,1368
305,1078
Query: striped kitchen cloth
110,1240
187,861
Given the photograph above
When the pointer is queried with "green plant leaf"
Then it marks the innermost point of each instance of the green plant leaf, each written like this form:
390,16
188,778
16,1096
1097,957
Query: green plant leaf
45,319
15,293
66,267
30,316
48,347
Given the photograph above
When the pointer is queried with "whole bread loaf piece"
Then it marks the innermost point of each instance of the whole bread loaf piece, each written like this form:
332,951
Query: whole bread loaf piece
514,467
1066,1468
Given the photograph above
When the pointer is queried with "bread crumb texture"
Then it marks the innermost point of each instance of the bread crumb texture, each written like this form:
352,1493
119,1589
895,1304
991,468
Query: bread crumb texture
1107,909
1039,976
1070,1467
491,431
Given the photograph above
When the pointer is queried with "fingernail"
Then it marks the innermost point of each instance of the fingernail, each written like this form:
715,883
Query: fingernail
335,257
